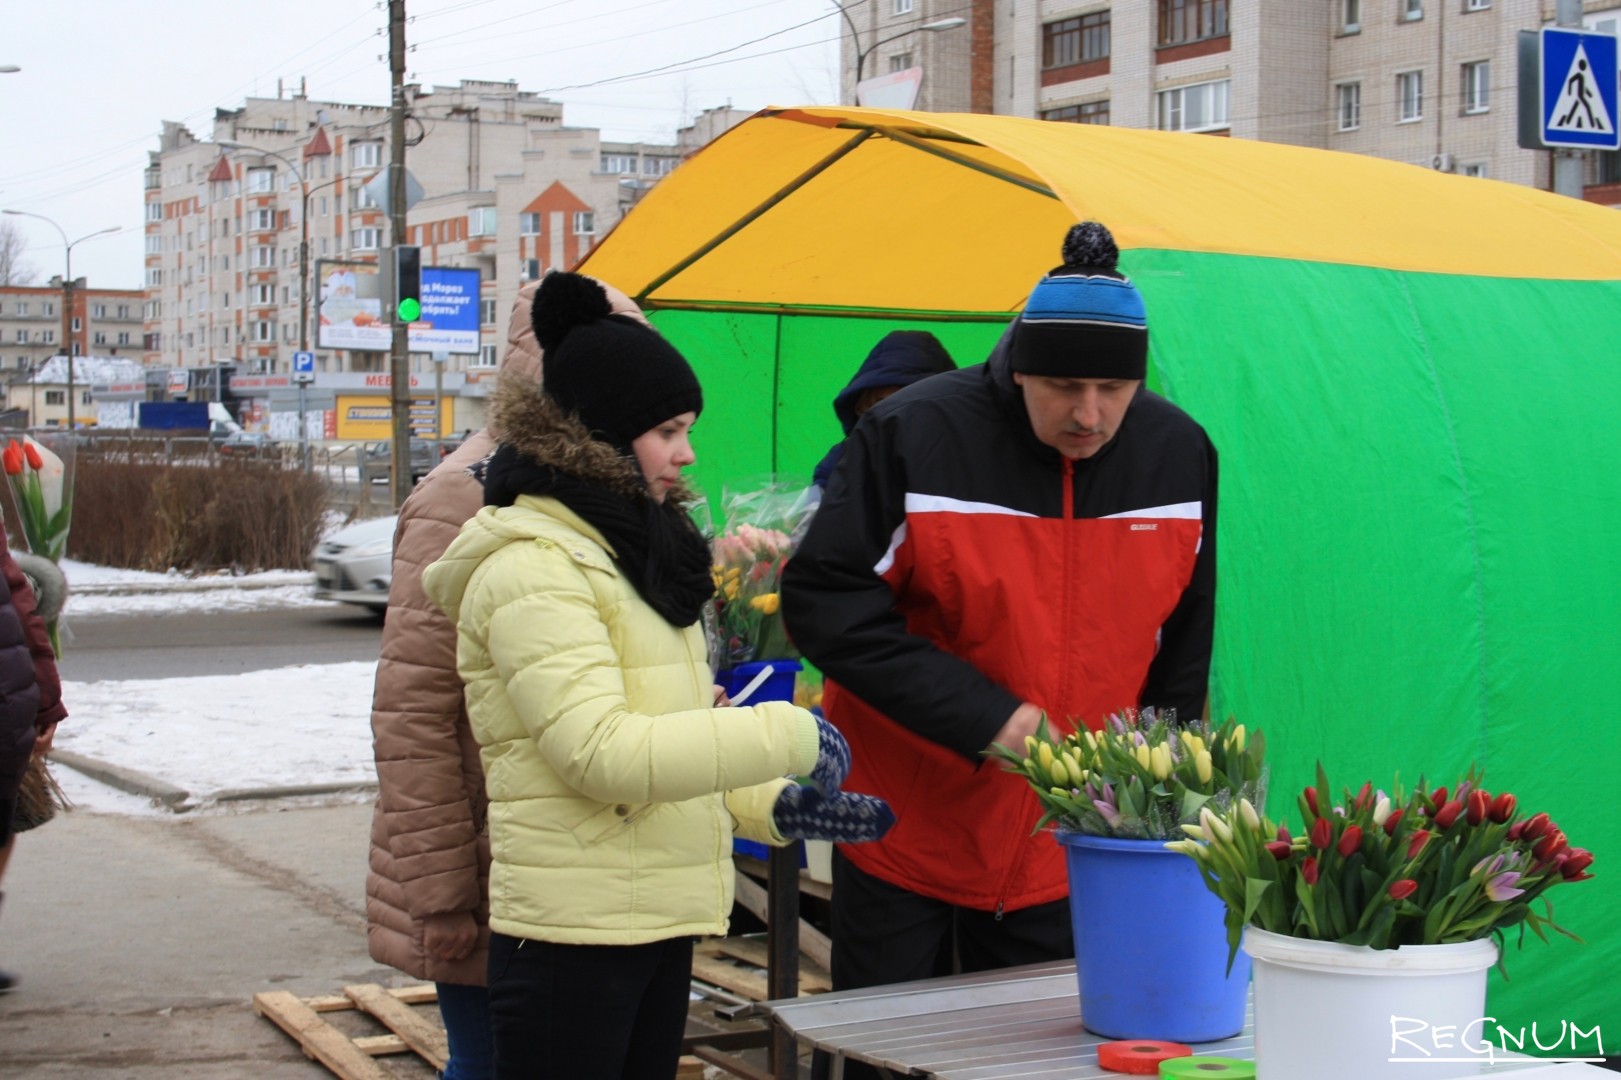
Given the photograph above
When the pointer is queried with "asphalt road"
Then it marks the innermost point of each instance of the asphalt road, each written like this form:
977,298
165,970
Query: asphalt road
217,643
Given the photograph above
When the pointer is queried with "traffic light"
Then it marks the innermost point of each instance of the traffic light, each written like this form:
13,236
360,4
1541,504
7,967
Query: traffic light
408,283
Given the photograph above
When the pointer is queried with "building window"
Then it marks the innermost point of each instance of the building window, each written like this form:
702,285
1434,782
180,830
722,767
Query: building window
1201,107
1476,5
531,269
56,397
22,337
264,294
1412,9
585,223
1350,16
48,337
261,180
154,309
264,331
98,338
365,155
1350,103
486,312
486,356
154,277
1182,21
98,311
1075,41
1409,96
900,62
360,198
154,245
22,307
154,211
50,307
481,221
1091,112
264,257
619,163
902,7
123,337
123,311
76,325
528,224
261,220
659,166
1477,86
366,239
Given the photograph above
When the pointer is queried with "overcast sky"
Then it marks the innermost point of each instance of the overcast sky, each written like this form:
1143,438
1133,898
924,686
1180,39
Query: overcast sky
99,77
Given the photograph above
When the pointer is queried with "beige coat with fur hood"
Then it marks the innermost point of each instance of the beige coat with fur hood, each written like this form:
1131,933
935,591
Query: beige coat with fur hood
429,846
615,786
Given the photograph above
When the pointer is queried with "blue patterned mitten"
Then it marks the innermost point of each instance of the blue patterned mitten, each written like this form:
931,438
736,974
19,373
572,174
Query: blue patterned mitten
804,813
832,757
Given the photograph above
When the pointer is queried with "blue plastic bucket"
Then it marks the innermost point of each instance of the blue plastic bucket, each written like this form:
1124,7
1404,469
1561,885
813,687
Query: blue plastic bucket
1150,947
778,686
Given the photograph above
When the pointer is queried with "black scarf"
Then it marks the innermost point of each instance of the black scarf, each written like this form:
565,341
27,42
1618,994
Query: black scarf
656,545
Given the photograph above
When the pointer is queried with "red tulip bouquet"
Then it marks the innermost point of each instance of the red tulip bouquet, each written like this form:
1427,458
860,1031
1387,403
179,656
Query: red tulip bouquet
1386,870
41,488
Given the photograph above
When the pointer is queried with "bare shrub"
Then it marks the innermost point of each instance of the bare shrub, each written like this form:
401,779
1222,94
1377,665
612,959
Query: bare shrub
195,516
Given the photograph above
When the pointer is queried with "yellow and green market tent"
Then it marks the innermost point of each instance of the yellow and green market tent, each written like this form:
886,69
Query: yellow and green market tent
1412,379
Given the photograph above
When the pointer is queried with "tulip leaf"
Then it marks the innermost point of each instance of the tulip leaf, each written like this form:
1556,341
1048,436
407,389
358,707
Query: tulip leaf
1254,892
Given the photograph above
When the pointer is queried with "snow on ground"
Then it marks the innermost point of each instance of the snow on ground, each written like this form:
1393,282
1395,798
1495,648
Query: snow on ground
308,724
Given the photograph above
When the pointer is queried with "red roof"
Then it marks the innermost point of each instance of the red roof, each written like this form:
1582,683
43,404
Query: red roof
318,145
222,171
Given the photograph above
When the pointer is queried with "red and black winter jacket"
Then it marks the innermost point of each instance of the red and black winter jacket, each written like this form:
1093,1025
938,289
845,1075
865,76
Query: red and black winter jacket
959,567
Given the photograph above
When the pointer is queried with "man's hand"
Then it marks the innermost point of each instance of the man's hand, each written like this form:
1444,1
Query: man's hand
1024,721
450,936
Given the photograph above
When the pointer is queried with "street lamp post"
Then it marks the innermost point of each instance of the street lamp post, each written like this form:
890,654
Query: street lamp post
67,294
862,54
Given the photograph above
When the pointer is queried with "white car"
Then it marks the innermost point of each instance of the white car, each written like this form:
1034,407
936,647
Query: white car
355,565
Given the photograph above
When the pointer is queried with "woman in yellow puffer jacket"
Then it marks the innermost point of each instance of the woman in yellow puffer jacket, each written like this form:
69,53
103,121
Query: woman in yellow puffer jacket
615,782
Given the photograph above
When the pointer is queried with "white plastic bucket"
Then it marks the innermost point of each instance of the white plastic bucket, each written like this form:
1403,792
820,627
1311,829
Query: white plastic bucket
1345,1012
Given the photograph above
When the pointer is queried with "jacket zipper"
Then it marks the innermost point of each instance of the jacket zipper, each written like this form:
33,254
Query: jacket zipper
1067,563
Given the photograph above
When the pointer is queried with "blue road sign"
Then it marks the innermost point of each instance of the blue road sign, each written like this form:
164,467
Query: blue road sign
304,361
1579,89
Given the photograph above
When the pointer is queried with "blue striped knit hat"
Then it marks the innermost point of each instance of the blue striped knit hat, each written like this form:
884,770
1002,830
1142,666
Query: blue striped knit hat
1085,319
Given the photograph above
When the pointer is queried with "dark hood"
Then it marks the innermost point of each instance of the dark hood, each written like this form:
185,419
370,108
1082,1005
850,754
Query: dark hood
901,358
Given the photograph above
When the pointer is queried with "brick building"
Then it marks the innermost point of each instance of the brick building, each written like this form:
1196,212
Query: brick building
1431,82
104,322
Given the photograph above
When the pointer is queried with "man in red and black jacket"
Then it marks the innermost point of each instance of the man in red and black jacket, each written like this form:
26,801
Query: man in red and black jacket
1032,535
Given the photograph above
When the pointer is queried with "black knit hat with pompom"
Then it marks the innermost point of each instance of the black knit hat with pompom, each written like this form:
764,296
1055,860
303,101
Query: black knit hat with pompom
1085,319
619,377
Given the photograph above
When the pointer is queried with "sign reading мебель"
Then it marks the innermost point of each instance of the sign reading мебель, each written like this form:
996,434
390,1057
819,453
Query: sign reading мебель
350,311
1580,86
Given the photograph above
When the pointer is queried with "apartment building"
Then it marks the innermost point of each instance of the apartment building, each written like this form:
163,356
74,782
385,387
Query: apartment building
239,224
1430,82
104,322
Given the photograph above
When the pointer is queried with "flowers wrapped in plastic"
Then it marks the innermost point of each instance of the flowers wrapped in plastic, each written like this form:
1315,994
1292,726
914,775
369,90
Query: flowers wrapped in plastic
40,483
749,555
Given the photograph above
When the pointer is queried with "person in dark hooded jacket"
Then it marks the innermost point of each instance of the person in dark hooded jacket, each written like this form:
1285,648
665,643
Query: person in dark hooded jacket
900,359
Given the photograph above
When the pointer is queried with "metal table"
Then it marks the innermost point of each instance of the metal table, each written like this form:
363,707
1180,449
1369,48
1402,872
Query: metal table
1018,1022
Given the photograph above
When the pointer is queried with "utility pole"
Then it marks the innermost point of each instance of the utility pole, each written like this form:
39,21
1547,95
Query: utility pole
399,360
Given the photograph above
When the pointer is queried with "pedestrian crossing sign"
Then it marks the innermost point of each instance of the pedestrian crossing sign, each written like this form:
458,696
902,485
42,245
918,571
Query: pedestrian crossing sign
1579,89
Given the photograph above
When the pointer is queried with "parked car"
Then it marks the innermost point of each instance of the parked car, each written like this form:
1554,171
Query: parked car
355,565
247,444
378,460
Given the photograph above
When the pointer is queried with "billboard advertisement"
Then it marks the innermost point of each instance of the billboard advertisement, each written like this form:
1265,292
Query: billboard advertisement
351,316
350,307
449,320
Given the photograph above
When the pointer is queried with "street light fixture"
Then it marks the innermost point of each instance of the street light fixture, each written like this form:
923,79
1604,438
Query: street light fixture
9,69
861,54
67,294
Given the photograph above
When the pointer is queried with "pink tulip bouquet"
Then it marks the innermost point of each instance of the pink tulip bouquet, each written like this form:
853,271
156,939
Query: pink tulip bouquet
1387,869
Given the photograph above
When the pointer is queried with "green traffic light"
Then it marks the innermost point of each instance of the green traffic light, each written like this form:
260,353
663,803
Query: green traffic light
410,309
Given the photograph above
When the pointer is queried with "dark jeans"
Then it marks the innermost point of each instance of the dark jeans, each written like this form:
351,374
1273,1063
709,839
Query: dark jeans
466,1013
588,1012
885,934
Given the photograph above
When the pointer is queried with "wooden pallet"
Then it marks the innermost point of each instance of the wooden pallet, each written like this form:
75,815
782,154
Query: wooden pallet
410,1031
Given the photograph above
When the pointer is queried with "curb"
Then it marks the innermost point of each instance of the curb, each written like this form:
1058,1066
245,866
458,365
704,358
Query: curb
209,585
177,799
136,783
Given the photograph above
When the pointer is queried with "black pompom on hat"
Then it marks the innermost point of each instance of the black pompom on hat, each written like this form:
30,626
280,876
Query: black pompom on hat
1084,319
619,377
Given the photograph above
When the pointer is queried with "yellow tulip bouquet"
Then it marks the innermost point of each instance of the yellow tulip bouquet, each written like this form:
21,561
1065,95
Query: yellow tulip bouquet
749,557
1142,775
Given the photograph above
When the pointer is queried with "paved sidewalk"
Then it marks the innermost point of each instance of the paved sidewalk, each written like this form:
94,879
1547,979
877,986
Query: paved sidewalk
139,942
